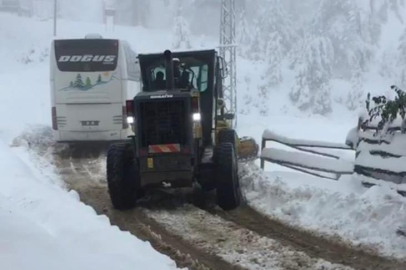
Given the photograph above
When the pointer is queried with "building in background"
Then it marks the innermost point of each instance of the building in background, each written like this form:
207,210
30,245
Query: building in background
9,5
42,9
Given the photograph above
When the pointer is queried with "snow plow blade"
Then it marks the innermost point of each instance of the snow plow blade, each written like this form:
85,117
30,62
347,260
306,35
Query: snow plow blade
248,149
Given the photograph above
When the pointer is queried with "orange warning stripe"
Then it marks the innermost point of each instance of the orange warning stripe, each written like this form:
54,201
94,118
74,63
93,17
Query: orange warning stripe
164,148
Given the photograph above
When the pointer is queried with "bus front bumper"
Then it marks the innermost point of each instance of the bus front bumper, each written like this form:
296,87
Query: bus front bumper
82,136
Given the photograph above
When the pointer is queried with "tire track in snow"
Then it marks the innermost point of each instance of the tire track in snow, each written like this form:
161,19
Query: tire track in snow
313,246
83,174
141,225
234,243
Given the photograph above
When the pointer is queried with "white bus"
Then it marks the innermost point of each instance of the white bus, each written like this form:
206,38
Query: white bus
91,79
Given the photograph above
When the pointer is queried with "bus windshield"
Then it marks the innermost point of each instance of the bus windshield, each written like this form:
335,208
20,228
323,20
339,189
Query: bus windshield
86,55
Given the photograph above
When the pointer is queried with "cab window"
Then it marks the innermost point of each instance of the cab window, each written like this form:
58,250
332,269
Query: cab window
189,74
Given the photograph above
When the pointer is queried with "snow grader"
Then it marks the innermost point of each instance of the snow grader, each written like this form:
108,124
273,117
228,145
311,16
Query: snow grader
182,132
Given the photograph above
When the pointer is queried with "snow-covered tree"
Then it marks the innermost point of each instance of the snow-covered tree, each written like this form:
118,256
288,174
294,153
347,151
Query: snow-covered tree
273,74
312,83
264,101
272,18
255,52
401,60
346,24
322,99
300,92
244,35
388,63
355,98
181,32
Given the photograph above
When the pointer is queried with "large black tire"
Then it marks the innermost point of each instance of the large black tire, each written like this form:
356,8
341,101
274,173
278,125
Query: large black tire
123,177
227,136
227,182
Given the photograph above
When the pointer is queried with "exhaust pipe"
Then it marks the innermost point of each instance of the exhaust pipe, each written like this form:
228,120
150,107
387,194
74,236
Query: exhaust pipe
170,77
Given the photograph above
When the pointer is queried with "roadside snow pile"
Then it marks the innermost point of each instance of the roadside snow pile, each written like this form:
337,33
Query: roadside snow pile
373,218
44,227
38,142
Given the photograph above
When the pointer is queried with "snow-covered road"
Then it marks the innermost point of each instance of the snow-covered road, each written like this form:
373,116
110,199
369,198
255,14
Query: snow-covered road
213,239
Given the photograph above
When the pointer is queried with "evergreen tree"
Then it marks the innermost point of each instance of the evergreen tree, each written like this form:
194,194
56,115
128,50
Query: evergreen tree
99,79
311,87
322,100
273,72
300,92
356,95
401,59
274,18
79,83
263,101
181,32
88,83
348,28
255,51
244,35
71,84
388,63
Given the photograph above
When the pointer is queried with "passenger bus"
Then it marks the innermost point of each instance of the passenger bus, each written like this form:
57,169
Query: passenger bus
91,79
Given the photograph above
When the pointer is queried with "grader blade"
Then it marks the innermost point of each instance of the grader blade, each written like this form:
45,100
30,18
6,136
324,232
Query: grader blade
248,149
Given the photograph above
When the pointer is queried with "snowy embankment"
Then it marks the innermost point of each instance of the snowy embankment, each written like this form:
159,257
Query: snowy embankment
373,219
44,227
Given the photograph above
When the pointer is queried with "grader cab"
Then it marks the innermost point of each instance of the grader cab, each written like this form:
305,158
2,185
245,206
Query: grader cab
183,135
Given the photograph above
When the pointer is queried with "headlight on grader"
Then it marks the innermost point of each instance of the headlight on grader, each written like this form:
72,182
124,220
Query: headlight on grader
197,117
130,120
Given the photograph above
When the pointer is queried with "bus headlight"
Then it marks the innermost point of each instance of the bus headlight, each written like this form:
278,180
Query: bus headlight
130,120
197,117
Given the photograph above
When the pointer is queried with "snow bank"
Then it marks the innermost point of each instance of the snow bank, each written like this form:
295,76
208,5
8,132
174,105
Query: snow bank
370,218
44,227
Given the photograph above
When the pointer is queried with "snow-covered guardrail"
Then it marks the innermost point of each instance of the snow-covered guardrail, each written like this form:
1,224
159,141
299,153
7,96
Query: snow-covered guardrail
377,160
307,160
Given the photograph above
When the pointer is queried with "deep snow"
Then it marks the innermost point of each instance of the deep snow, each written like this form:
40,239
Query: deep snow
45,227
371,218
